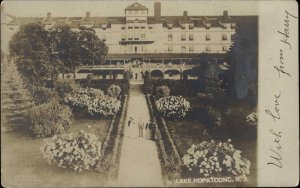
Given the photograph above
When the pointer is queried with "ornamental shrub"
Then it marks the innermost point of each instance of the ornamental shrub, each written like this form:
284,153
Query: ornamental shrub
77,152
65,87
173,106
216,159
106,106
43,95
49,119
162,91
214,115
80,98
113,91
251,119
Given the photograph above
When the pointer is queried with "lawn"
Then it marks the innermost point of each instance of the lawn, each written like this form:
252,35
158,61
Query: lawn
195,128
23,164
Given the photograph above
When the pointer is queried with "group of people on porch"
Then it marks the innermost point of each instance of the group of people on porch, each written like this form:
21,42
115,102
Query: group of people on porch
145,130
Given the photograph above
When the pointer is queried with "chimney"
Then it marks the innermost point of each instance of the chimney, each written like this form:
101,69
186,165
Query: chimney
157,11
88,15
48,14
225,14
185,15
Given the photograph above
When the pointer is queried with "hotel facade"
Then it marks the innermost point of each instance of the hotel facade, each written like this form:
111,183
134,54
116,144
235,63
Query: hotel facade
181,39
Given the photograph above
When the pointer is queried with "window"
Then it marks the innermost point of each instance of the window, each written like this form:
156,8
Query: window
123,37
170,37
191,37
224,26
224,37
142,27
170,48
123,27
104,38
208,48
182,26
207,36
143,35
150,27
182,37
191,48
183,49
233,25
225,48
136,27
136,38
130,27
191,25
130,38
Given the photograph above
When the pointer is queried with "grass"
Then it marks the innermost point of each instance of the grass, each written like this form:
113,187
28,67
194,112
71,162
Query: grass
195,128
23,164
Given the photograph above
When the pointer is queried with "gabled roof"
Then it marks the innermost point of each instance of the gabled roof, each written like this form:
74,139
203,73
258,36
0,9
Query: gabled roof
136,6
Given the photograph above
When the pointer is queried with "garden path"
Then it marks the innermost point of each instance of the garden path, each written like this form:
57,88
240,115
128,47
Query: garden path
139,163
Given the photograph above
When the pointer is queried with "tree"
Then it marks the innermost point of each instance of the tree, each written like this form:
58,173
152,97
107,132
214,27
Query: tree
65,48
243,57
92,49
30,47
15,98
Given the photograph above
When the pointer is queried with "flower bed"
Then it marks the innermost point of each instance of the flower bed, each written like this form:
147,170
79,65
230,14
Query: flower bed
173,106
93,101
216,159
78,152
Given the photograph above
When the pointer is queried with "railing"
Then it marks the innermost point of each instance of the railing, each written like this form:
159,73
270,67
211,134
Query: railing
131,65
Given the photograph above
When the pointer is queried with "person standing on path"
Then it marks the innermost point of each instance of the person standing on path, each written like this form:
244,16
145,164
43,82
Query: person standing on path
141,127
130,121
152,129
148,131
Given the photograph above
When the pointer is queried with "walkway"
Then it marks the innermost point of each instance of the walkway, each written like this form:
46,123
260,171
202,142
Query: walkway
139,163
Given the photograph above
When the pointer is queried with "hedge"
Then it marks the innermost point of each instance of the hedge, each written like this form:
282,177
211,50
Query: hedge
168,152
105,84
177,87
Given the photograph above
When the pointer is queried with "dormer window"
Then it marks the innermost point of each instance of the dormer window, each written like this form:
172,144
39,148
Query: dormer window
225,48
224,37
207,25
233,25
224,26
207,37
182,26
170,25
103,26
191,25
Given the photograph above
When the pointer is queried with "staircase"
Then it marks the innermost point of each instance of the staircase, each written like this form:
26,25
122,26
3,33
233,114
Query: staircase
136,87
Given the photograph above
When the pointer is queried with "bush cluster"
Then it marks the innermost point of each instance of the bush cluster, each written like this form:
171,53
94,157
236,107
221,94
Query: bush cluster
162,91
92,101
173,106
43,95
114,91
214,115
216,159
77,152
49,119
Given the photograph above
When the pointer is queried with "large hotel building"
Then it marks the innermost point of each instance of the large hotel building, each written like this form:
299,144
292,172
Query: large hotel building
158,38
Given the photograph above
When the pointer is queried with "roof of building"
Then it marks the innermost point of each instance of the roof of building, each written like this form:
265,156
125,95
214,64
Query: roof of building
136,6
98,22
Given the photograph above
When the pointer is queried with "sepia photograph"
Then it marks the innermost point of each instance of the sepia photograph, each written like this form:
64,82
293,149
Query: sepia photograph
131,93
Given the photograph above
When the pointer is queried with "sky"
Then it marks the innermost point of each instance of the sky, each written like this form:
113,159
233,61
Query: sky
116,7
